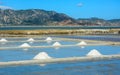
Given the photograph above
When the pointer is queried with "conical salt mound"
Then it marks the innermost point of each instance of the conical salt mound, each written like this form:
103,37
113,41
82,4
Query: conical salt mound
48,39
94,53
31,40
3,40
83,43
42,56
56,44
25,45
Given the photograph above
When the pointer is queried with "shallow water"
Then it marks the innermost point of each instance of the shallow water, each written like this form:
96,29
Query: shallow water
115,38
110,67
55,27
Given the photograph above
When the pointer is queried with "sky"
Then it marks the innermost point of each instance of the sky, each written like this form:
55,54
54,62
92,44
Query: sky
106,9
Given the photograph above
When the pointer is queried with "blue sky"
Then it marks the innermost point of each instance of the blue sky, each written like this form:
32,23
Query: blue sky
106,9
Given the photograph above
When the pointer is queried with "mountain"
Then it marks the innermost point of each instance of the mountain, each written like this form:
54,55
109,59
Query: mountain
33,17
43,17
97,21
115,22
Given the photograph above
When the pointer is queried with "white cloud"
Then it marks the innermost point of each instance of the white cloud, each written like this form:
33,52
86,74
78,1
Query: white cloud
80,4
5,7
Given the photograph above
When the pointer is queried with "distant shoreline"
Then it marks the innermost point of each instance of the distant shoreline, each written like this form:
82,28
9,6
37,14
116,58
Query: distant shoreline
56,27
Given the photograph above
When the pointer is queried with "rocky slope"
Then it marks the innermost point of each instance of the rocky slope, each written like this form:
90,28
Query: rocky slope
33,17
42,17
99,22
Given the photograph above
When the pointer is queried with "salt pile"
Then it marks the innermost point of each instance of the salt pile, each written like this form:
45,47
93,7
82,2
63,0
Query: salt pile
3,40
82,44
94,53
56,45
48,39
31,40
25,46
42,56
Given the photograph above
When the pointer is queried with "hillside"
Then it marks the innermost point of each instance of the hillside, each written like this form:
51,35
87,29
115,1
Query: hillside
33,17
99,22
43,17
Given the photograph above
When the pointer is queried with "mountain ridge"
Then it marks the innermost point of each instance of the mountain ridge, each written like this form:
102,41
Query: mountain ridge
43,17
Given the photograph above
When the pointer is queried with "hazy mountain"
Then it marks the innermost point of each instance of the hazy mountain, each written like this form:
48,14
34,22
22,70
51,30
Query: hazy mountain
115,22
98,21
42,17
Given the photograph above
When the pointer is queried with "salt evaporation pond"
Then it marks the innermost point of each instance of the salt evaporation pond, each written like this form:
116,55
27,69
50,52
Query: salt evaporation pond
109,67
115,38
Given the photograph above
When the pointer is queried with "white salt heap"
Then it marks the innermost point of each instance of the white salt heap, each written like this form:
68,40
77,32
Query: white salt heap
31,40
82,43
48,39
94,53
56,44
25,46
3,40
42,56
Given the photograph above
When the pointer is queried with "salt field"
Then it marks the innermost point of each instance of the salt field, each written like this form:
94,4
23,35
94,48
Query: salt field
63,37
31,48
115,38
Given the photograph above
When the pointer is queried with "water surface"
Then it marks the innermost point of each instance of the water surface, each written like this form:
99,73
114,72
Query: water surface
109,67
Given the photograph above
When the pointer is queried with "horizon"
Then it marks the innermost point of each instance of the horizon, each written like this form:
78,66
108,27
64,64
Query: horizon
75,9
